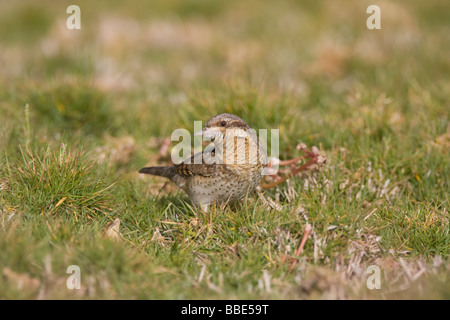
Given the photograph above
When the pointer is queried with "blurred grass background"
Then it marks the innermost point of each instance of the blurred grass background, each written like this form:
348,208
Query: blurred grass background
101,100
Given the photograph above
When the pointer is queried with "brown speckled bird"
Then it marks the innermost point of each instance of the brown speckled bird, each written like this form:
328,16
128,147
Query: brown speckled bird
226,170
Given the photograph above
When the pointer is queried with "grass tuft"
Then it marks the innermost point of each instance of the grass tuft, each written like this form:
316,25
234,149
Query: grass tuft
58,182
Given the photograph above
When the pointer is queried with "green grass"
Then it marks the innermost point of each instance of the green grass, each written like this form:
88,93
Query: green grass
81,111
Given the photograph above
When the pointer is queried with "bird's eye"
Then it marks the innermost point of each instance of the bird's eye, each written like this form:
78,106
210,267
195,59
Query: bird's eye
223,123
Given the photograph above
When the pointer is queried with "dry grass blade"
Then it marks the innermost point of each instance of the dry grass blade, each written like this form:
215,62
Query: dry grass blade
306,233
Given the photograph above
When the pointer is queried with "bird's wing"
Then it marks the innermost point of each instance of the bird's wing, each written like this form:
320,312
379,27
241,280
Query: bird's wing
200,164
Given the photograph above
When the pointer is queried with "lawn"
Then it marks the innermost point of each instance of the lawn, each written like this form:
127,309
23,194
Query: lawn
81,111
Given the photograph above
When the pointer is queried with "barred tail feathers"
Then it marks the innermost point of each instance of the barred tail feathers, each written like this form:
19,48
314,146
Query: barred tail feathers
158,171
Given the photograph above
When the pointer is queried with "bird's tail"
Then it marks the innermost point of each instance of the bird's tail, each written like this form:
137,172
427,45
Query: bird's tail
158,171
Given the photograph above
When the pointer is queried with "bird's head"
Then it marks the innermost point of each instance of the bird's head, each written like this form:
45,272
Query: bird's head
218,126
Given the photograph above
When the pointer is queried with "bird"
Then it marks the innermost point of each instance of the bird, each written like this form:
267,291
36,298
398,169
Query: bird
226,170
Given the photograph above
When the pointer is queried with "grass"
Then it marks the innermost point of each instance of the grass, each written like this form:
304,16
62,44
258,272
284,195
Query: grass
83,110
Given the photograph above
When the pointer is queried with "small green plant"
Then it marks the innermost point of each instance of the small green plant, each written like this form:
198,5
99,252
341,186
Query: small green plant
57,182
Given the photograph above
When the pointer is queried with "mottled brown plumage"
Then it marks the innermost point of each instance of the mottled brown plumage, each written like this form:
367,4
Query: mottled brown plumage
225,171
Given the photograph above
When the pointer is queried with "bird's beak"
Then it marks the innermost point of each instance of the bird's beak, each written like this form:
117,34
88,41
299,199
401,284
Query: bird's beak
198,133
208,133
